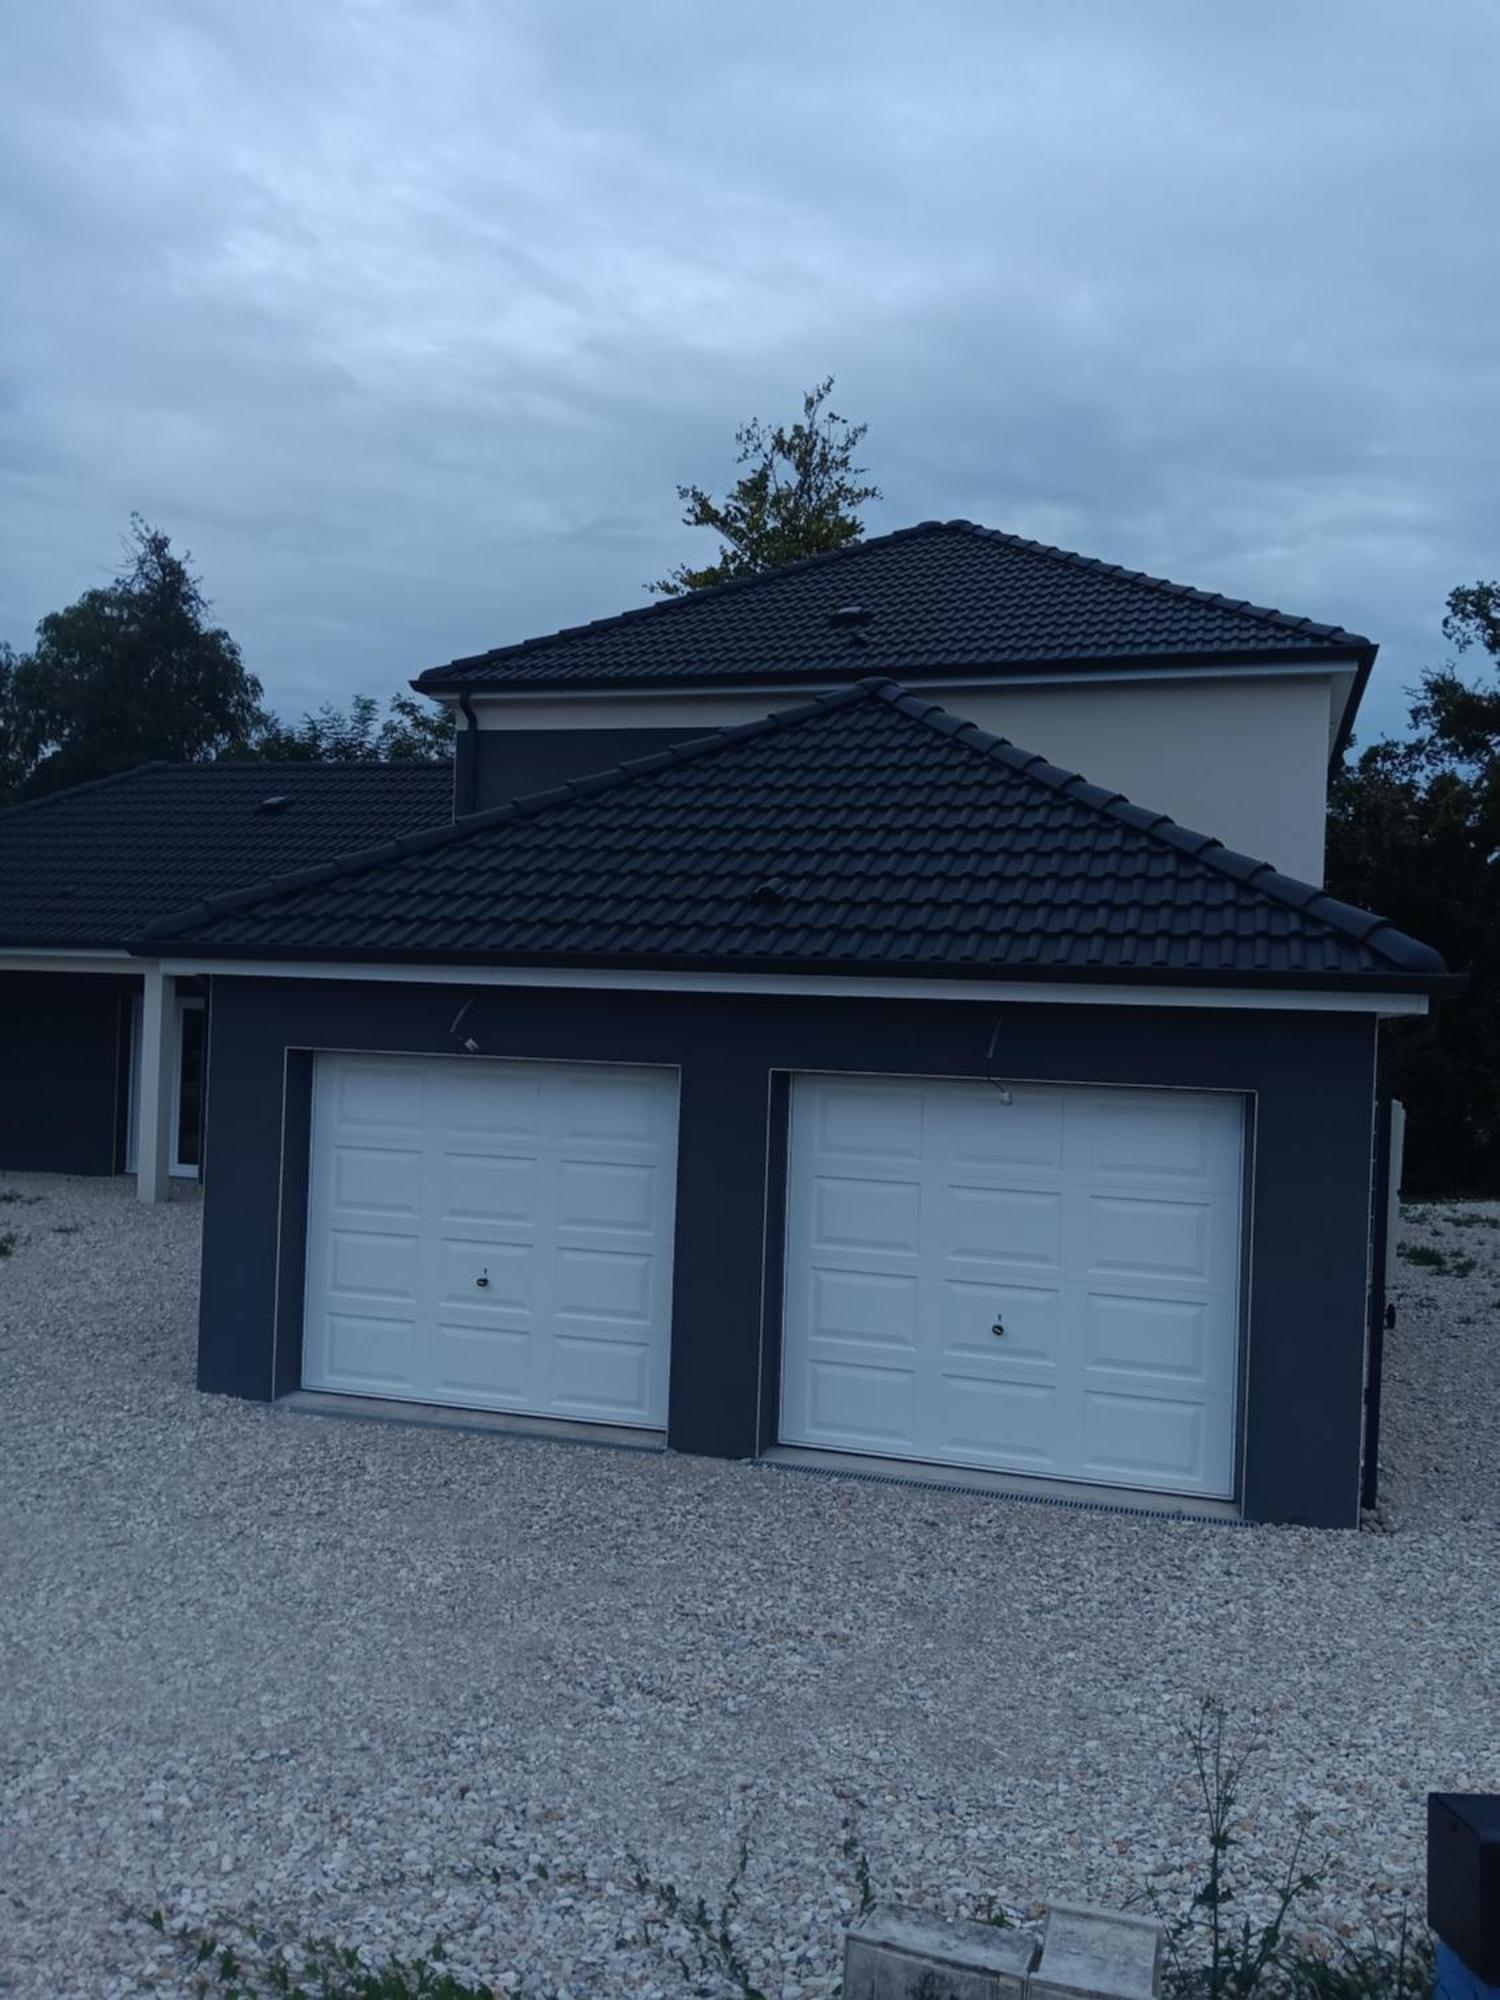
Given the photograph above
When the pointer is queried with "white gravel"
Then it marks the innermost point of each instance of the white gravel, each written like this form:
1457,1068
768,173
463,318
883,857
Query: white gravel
355,1679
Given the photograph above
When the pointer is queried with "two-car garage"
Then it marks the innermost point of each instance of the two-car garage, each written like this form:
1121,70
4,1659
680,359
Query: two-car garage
1040,1279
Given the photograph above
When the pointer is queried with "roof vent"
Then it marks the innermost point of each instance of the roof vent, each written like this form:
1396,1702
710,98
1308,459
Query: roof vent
849,617
275,803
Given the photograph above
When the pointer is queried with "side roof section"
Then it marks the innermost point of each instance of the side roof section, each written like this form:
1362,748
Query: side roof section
89,867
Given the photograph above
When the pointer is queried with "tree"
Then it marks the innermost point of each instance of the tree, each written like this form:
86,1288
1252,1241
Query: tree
410,734
131,672
1414,832
798,497
11,767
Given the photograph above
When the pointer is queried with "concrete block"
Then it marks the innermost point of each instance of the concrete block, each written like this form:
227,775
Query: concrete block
1090,1954
895,1954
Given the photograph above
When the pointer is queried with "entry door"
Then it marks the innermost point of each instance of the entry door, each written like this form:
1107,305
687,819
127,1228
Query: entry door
492,1235
1048,1285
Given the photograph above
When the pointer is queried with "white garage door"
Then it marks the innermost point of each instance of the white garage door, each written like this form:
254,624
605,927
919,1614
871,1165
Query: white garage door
1048,1286
495,1235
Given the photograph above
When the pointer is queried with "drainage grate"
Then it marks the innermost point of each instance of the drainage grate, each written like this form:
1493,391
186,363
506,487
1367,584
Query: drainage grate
1001,1493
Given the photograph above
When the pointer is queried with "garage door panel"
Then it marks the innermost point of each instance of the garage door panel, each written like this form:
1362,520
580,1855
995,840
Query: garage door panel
867,1121
999,1423
600,1106
1031,1315
880,1215
370,1354
1149,1239
614,1195
1148,1440
370,1264
487,1104
508,1269
604,1284
856,1403
1173,1137
528,1262
1030,1136
496,1190
1152,1336
379,1096
483,1367
1099,1228
881,1307
608,1380
1002,1225
377,1180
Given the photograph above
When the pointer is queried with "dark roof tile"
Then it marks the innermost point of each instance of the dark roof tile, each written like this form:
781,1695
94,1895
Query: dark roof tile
92,866
941,597
897,842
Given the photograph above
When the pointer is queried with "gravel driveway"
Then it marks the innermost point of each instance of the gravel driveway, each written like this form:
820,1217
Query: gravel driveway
381,1682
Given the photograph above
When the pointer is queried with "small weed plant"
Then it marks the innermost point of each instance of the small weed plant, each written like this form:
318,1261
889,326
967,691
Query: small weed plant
1430,1258
1213,1955
315,1969
712,1951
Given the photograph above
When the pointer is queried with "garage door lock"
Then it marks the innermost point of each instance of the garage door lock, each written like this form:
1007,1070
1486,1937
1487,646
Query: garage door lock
483,1279
998,1329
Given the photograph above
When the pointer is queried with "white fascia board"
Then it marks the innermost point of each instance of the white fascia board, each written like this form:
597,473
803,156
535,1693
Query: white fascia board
1058,993
24,960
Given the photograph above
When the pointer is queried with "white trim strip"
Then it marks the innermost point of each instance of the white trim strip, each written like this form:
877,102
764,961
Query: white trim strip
1056,993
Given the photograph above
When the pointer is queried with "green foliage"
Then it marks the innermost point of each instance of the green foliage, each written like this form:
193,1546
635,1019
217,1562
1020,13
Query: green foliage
316,1969
130,672
800,495
135,671
1431,1258
1414,832
8,1241
409,734
12,761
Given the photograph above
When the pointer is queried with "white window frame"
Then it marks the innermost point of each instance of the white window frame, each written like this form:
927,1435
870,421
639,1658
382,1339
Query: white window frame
178,1169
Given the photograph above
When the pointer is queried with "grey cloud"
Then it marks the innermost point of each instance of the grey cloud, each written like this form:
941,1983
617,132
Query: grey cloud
409,317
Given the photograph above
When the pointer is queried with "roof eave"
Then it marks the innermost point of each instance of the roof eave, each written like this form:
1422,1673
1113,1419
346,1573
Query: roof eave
1393,981
456,677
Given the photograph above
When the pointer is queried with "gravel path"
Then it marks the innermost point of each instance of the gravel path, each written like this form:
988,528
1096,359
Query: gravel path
381,1682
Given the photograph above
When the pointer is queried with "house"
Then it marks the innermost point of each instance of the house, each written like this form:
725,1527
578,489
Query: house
82,873
774,1059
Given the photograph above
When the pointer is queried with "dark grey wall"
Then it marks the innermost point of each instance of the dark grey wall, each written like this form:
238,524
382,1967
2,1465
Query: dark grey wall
1310,1075
493,765
63,1043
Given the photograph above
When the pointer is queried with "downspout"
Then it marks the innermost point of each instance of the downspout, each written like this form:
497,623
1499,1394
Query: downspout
463,799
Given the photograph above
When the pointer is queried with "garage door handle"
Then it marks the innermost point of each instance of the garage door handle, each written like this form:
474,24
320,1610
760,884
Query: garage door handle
998,1330
482,1280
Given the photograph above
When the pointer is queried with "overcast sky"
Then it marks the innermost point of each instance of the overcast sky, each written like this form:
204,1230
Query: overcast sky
408,318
